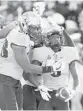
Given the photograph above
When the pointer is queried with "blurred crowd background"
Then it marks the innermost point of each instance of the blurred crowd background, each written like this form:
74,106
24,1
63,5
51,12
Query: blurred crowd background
65,13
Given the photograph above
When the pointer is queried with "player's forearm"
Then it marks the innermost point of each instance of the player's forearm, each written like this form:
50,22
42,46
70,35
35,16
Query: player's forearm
34,82
74,75
27,66
75,84
31,78
68,40
23,60
4,32
75,80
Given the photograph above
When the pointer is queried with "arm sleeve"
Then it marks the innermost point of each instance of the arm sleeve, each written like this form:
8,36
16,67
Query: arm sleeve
18,38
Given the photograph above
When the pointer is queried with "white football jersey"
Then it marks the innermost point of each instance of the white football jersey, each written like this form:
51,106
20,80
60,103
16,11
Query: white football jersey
8,64
62,59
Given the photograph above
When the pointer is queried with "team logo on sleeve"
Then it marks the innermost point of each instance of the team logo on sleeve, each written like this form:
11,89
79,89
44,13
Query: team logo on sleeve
4,51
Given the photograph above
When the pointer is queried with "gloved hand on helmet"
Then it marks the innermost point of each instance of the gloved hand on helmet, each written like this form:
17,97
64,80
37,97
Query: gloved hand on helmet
65,94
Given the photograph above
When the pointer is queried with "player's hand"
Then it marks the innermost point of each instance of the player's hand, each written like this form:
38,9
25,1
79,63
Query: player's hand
47,66
50,63
58,28
45,95
44,92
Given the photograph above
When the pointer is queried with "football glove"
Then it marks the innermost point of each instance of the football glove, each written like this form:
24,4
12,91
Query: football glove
44,92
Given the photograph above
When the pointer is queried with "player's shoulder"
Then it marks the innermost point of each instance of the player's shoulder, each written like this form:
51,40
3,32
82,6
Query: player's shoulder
12,33
70,53
68,48
18,38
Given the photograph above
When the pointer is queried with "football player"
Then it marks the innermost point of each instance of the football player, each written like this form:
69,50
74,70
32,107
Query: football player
29,95
47,51
63,59
13,60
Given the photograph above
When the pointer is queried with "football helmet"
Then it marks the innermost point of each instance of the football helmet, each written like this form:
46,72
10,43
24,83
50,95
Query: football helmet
33,22
65,94
22,22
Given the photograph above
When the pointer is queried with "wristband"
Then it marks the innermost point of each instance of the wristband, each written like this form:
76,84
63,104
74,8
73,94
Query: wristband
47,69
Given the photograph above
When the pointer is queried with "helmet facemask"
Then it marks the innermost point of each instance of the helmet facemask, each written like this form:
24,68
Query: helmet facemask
55,40
35,34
